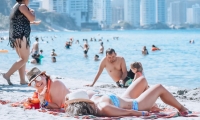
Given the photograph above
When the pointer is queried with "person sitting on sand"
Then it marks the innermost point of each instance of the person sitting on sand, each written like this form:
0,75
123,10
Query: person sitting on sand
53,53
116,68
101,50
154,48
96,58
145,51
111,105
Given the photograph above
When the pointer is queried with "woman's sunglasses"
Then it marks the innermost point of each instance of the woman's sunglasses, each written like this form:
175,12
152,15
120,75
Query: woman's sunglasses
39,78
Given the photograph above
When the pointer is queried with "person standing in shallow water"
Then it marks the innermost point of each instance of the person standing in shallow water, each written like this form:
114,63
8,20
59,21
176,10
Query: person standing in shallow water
145,51
19,37
101,50
35,49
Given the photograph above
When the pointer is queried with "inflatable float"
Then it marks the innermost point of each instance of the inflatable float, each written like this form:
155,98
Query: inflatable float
3,51
154,49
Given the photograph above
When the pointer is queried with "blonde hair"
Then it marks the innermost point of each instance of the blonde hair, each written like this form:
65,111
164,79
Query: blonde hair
138,66
79,109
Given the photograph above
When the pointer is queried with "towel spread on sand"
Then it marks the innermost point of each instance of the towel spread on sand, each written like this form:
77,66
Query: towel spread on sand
165,113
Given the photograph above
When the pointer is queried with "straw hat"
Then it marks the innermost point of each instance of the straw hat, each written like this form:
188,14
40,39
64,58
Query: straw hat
78,96
32,74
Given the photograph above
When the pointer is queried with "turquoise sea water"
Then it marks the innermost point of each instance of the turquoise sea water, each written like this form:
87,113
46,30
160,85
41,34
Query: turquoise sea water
177,64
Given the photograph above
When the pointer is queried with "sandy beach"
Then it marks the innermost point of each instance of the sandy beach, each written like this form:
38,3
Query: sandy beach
17,93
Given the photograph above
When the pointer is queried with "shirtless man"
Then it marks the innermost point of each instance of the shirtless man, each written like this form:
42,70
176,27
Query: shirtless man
35,49
116,68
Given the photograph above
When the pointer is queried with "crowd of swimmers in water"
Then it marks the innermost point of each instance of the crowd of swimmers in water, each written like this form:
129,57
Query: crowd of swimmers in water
37,55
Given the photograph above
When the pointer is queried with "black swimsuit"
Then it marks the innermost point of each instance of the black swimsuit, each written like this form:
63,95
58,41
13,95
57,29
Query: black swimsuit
19,27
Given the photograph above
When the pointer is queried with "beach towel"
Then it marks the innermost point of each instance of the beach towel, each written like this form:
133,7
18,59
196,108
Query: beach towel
165,113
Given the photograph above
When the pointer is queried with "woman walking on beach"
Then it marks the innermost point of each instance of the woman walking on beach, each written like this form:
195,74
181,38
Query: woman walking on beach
19,37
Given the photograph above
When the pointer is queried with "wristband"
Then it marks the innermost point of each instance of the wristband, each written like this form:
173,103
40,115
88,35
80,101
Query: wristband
143,113
45,103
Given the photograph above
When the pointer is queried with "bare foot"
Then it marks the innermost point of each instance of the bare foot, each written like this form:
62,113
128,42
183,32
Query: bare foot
24,83
183,111
155,108
8,79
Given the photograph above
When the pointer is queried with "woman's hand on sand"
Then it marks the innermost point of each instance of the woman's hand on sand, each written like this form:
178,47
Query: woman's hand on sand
29,100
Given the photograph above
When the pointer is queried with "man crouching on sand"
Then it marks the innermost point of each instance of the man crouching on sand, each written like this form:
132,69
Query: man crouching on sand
116,68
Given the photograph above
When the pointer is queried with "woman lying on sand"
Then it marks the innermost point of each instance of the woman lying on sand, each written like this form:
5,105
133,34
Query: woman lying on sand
110,105
52,92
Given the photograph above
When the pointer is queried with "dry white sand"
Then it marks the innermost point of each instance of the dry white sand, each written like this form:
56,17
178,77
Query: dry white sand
18,92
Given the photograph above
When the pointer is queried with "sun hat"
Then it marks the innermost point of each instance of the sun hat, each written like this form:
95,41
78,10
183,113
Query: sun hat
77,96
32,74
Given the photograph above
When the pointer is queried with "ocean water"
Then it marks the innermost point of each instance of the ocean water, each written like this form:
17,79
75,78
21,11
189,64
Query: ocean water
177,64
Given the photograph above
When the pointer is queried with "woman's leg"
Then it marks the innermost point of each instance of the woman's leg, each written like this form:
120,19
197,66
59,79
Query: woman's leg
147,99
23,54
21,71
136,88
22,74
